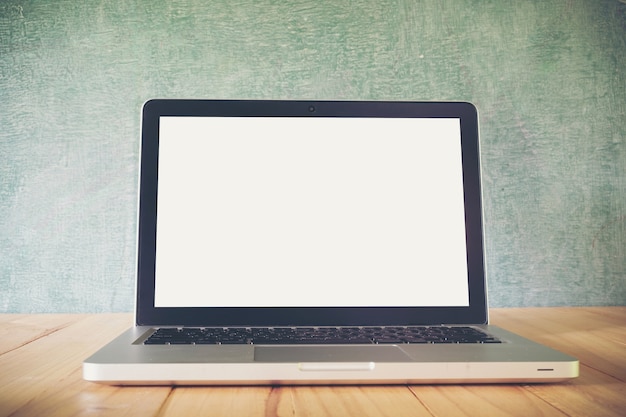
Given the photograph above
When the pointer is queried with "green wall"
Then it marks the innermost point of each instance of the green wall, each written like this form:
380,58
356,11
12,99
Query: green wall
548,77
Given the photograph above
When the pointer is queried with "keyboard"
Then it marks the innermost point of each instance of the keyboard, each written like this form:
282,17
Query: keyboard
318,335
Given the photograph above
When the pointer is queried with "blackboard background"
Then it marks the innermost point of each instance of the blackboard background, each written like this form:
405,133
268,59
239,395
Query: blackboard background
548,78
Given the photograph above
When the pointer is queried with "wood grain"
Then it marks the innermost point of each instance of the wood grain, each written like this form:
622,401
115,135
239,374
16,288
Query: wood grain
44,376
592,326
41,356
483,400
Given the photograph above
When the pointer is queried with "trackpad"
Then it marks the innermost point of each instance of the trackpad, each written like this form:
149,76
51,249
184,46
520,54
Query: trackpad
329,354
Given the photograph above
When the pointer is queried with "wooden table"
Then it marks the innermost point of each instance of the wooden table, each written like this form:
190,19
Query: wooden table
41,357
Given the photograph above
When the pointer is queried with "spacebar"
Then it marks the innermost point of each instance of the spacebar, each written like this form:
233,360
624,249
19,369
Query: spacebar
312,341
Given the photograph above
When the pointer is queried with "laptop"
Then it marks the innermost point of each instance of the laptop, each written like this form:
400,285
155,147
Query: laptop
313,242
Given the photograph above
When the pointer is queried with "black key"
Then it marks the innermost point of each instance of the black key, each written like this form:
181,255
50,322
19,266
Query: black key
386,340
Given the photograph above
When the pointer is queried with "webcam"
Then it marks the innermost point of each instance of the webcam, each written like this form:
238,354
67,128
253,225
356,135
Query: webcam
311,109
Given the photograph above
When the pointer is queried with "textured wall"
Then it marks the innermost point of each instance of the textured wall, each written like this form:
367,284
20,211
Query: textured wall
548,77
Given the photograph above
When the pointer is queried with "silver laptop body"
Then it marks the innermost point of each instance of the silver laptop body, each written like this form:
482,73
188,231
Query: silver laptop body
259,219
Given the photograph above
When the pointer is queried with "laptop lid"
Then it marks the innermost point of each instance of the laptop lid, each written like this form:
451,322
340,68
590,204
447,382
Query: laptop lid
309,213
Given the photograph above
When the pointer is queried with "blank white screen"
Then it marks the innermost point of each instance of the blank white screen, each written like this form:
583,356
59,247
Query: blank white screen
294,212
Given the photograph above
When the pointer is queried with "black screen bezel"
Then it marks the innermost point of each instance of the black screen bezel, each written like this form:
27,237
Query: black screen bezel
148,314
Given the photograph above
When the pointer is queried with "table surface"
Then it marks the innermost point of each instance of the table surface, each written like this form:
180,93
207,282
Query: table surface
41,374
